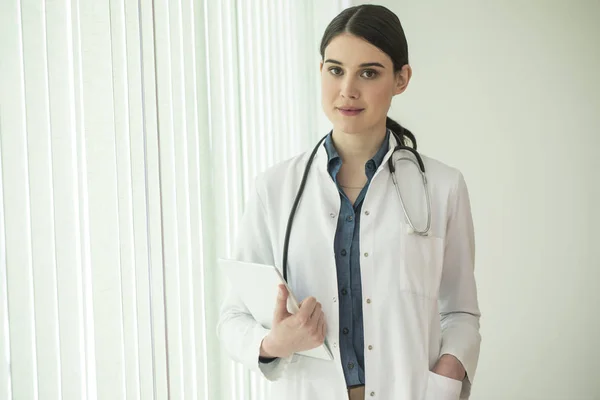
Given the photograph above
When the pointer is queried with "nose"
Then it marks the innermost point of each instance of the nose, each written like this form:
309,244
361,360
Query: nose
349,88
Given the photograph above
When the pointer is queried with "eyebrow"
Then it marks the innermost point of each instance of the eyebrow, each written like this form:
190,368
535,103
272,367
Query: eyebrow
371,64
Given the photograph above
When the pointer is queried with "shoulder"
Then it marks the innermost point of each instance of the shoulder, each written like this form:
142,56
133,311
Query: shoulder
448,180
439,171
285,172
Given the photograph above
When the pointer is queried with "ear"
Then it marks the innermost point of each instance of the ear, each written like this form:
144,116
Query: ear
402,78
321,66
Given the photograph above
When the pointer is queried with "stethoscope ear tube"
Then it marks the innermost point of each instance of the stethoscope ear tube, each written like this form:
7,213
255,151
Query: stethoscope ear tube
288,229
401,146
410,149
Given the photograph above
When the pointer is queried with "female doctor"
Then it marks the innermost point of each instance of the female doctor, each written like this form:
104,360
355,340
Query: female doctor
382,257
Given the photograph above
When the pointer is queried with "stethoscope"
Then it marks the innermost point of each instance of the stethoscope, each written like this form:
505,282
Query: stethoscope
391,167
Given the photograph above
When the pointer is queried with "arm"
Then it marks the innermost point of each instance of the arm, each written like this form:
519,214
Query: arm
458,304
239,333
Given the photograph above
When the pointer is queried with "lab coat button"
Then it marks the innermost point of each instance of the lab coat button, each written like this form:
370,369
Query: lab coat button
370,347
366,254
334,299
335,345
368,301
332,215
372,394
367,212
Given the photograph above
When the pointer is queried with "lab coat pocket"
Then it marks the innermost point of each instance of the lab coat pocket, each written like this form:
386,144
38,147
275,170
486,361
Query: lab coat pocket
422,258
442,388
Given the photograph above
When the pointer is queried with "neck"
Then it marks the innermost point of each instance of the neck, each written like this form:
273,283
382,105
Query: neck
358,147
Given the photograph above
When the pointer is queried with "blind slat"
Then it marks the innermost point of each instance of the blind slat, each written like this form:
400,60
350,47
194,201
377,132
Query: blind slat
17,217
99,178
41,206
5,356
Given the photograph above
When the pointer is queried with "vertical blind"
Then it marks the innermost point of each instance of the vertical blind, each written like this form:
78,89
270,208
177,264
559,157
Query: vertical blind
130,134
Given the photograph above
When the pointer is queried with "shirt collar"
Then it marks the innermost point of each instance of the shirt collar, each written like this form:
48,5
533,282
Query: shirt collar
333,157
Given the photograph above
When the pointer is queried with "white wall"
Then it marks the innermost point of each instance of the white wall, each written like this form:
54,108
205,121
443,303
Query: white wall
509,92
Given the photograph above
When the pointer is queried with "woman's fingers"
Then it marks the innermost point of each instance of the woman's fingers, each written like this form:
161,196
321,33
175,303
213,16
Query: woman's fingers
321,326
306,309
318,309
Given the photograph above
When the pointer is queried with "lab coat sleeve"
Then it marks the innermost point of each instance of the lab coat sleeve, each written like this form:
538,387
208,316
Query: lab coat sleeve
239,333
458,304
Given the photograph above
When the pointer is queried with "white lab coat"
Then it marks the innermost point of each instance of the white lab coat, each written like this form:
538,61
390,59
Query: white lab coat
422,292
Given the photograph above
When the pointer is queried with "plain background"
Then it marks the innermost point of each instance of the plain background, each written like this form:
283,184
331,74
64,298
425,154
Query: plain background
509,92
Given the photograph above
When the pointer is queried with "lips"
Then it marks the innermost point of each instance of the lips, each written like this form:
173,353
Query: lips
350,111
350,108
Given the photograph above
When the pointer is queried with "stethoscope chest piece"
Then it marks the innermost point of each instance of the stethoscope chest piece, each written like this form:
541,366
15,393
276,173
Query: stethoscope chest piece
411,231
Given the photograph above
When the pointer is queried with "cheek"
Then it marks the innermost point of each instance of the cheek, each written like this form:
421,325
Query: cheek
328,90
381,97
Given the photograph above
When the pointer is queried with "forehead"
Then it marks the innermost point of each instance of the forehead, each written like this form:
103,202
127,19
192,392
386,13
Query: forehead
351,51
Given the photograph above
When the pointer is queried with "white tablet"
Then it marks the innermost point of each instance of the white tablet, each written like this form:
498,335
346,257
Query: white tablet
257,286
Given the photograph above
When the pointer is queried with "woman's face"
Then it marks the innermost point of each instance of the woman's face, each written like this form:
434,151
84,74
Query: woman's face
358,83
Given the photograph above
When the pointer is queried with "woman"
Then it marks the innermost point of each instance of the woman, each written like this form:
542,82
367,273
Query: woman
399,310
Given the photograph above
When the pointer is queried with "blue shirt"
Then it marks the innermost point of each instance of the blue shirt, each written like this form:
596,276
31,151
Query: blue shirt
347,260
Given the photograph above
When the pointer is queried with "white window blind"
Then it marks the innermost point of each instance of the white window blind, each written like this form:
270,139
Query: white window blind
130,134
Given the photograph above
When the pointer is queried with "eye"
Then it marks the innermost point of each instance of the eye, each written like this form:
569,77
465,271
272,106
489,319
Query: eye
369,74
335,71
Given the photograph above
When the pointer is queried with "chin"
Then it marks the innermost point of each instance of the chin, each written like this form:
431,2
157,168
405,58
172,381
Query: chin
349,128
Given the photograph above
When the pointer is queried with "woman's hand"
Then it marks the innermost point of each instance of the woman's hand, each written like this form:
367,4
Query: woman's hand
291,333
450,367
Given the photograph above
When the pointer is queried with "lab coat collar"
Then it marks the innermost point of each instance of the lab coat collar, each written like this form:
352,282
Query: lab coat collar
322,158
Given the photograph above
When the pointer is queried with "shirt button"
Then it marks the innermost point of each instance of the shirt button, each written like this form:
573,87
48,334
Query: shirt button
370,347
343,252
350,365
366,254
350,218
345,331
344,292
368,301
